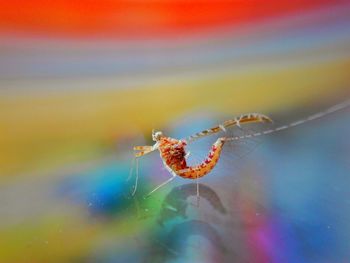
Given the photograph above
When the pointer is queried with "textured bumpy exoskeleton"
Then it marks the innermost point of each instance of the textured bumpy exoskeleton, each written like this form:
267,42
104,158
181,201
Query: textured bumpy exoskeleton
173,151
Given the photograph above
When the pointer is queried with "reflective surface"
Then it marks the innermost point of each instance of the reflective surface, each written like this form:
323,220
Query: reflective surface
82,83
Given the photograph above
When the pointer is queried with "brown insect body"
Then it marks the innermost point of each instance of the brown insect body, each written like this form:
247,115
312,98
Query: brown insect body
173,153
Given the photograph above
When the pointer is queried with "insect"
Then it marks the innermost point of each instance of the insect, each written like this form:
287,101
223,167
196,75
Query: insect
173,151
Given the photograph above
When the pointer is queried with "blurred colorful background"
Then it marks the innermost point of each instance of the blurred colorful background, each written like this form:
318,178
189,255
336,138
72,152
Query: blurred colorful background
83,81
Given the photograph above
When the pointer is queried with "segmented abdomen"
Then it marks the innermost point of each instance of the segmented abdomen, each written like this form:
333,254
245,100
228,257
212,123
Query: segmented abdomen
207,165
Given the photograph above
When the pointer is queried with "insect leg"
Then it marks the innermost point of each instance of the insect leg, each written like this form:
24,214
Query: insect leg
161,185
143,150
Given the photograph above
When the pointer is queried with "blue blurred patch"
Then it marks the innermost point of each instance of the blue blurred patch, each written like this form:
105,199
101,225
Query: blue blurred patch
102,189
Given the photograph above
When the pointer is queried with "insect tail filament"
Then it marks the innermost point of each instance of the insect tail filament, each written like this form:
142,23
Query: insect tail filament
315,116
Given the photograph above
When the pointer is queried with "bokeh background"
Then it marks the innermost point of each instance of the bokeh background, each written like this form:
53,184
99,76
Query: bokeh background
83,81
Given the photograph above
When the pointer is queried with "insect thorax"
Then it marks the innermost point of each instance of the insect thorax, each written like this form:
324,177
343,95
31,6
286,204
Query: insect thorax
173,153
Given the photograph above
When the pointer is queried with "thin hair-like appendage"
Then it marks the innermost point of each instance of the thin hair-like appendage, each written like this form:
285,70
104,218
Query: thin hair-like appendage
134,162
315,116
137,177
131,168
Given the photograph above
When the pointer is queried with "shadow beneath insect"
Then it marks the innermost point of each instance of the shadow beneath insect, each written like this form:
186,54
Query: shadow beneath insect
176,203
175,243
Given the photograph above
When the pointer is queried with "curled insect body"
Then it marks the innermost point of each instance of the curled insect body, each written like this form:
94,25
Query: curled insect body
173,151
